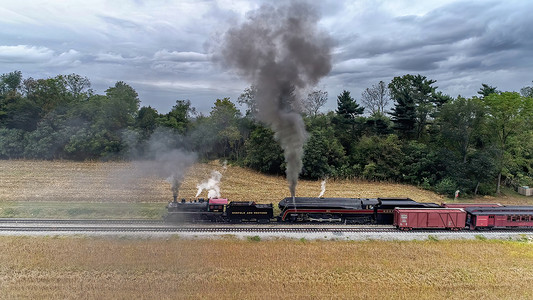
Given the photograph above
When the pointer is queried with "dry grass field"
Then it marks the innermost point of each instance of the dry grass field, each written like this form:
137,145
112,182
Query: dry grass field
120,182
102,268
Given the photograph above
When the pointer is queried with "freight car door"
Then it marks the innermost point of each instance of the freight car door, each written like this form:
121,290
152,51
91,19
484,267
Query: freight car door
434,220
423,220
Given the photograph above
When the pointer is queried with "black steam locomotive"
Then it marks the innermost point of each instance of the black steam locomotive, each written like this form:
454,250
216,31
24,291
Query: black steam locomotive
344,210
218,210
292,210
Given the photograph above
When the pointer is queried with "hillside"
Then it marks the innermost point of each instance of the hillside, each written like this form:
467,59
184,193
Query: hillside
36,181
23,180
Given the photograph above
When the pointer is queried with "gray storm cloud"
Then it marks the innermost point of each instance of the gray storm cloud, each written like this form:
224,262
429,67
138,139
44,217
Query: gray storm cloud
281,51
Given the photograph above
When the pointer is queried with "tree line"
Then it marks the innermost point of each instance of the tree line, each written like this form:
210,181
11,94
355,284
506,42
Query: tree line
404,131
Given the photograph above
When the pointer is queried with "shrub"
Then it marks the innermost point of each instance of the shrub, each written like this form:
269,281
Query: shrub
425,184
481,237
447,186
433,238
254,238
486,189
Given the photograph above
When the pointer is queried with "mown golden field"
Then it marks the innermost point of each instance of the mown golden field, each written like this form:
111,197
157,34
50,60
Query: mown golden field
122,182
79,267
104,268
22,180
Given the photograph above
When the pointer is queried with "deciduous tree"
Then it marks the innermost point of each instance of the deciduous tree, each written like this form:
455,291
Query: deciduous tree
509,114
224,117
376,98
248,99
458,122
527,91
314,101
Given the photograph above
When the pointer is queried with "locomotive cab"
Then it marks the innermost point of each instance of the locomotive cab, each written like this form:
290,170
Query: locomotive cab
217,205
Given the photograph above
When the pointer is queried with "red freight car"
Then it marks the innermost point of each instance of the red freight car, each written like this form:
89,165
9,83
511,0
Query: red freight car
424,218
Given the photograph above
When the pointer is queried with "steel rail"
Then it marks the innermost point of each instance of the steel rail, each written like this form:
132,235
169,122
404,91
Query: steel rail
147,225
81,221
146,229
189,229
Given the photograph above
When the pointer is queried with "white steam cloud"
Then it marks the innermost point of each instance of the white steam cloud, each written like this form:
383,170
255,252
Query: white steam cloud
322,188
212,185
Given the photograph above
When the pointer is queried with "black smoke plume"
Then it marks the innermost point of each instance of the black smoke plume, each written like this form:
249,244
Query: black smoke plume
281,51
165,157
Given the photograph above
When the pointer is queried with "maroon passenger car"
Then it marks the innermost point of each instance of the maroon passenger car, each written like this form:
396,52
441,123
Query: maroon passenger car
500,217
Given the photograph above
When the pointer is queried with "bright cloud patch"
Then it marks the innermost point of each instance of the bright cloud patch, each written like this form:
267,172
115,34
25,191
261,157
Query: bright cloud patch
25,54
179,56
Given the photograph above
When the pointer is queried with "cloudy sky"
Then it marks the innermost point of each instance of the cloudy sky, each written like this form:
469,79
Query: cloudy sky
161,48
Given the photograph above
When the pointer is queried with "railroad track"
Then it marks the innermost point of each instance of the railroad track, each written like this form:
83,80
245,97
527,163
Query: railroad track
81,221
190,229
139,225
158,226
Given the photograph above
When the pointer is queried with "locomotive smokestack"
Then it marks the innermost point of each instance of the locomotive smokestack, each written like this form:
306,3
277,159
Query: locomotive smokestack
175,197
281,51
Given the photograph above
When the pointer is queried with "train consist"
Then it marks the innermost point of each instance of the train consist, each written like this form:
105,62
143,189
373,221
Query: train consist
404,213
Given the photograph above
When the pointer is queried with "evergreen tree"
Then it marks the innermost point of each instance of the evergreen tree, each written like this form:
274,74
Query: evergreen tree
346,119
347,107
404,112
416,103
486,90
